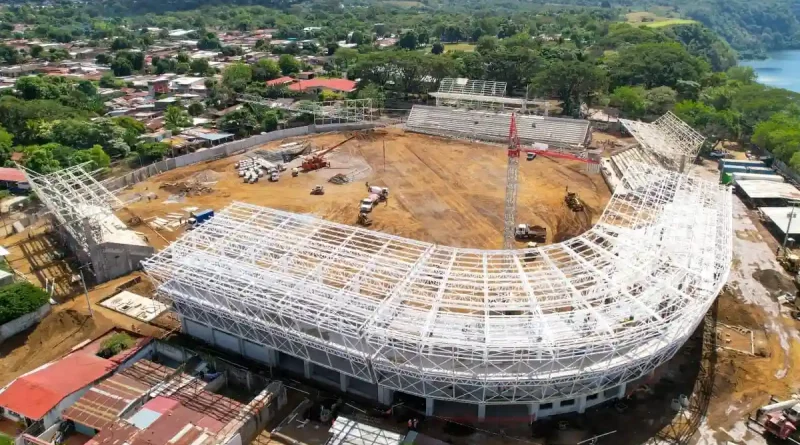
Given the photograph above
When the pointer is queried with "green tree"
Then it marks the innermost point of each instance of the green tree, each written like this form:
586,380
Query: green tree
288,64
408,40
236,76
196,109
6,144
209,41
487,44
121,66
20,298
374,92
660,100
176,118
270,121
742,74
266,69
152,151
630,100
95,155
572,82
437,48
242,122
780,134
199,66
655,64
716,125
121,43
39,159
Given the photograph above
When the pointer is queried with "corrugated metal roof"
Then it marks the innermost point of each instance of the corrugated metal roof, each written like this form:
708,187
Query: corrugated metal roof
106,401
769,190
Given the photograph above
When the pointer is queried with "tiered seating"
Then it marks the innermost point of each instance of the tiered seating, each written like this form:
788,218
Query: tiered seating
493,127
629,164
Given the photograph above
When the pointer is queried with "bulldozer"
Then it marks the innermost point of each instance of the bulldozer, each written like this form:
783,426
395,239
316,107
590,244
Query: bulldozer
790,262
364,220
573,201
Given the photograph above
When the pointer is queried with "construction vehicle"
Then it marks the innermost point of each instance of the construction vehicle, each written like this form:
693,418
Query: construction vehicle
512,178
295,172
382,192
531,156
531,255
790,262
318,190
273,176
369,203
779,419
317,160
573,202
364,220
526,232
199,217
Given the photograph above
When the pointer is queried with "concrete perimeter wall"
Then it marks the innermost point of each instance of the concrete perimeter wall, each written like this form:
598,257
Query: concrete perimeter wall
18,325
225,150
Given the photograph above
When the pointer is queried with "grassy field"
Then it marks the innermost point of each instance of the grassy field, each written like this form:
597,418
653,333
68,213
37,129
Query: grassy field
655,21
466,47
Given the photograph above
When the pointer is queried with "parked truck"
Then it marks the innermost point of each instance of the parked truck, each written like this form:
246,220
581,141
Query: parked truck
199,217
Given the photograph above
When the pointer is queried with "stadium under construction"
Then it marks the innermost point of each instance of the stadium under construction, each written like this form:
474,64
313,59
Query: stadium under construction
552,329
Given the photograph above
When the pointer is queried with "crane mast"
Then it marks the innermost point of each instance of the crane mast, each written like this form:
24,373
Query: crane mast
512,184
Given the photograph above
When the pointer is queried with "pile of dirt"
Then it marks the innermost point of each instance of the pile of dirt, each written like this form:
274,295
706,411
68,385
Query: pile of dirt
339,179
206,176
187,188
776,282
53,337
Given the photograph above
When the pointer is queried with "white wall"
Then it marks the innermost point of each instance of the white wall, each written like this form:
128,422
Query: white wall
19,324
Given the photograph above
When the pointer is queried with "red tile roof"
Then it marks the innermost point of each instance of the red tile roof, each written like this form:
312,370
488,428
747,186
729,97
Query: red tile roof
12,175
343,85
35,394
280,81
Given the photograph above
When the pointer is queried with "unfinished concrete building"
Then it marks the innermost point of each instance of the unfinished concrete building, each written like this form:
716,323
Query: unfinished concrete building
82,212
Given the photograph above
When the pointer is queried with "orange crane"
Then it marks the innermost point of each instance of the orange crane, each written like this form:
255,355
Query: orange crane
316,161
512,179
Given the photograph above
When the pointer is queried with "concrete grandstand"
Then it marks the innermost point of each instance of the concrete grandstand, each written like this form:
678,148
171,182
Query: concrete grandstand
552,329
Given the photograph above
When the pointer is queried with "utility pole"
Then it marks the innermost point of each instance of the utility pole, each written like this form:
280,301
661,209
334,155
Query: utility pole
86,292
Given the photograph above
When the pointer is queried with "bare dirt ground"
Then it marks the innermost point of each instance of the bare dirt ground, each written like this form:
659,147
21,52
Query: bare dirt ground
444,191
744,383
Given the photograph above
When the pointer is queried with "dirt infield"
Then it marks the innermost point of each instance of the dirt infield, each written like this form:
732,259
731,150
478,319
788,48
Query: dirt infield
444,191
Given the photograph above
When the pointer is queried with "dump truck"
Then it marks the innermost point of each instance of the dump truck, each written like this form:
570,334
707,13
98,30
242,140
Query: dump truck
199,217
526,232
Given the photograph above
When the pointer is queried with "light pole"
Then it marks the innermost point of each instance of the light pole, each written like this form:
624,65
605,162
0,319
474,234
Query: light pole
791,216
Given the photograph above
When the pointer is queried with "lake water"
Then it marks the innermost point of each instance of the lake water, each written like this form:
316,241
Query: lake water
781,69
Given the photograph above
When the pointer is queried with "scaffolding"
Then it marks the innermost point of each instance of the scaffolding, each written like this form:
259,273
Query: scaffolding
77,201
535,325
325,112
475,94
673,141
